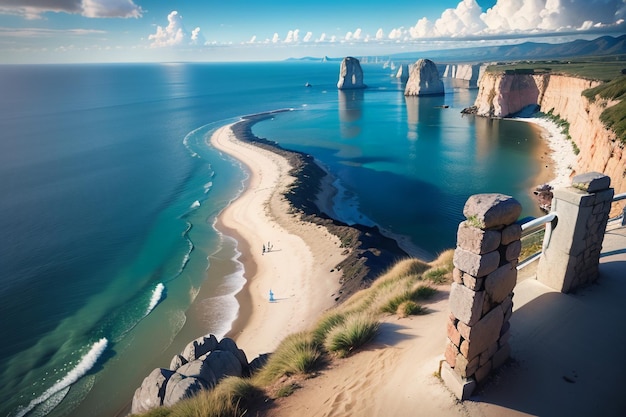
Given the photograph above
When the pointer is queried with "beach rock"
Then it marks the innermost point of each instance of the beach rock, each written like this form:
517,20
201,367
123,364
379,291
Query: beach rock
223,364
258,363
177,361
151,392
228,345
180,387
424,79
199,369
350,74
199,347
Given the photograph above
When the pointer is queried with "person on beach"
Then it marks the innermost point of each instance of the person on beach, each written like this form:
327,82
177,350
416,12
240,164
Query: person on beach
263,250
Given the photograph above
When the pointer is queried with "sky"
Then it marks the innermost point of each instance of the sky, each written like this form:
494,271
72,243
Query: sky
58,31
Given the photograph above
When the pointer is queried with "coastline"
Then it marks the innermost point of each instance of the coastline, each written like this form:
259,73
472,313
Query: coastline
300,269
560,168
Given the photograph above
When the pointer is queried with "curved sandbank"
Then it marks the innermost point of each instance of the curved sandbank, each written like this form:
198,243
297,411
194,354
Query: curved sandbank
296,268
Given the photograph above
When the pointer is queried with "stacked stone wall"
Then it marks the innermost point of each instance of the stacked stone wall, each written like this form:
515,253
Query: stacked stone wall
481,296
572,253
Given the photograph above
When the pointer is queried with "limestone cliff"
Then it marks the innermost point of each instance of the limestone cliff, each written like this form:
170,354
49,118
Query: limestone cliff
464,75
350,74
502,95
424,79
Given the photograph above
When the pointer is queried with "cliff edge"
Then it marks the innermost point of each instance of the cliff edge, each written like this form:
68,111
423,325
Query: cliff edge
505,94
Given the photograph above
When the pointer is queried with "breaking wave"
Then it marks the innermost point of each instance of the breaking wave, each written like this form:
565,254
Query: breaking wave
86,363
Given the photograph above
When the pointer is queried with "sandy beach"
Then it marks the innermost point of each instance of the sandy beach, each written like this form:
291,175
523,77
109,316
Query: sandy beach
298,259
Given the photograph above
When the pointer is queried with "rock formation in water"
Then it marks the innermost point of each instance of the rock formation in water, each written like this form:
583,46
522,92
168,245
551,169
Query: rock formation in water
201,365
424,79
464,75
350,74
403,73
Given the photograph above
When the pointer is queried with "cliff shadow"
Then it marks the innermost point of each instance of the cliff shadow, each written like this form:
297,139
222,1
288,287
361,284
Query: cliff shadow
564,349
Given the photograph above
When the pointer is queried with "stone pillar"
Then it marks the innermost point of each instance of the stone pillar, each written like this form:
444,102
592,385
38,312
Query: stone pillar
481,296
572,250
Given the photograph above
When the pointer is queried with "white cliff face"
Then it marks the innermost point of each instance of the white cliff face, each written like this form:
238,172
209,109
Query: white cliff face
501,95
424,79
464,75
350,74
403,73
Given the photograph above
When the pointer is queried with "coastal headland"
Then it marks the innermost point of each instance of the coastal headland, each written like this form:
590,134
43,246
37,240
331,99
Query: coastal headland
288,245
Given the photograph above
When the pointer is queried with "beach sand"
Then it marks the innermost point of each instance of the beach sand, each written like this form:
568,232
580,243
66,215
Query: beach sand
297,268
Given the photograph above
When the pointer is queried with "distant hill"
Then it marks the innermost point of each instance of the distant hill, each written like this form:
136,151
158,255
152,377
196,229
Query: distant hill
605,45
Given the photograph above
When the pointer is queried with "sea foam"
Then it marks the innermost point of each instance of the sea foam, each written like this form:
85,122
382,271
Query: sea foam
86,363
157,294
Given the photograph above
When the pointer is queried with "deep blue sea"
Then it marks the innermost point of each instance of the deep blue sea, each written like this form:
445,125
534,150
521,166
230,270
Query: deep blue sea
108,194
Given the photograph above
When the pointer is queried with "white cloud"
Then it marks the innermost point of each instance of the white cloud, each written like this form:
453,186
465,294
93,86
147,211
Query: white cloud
34,9
307,37
171,35
519,17
197,38
380,35
275,38
292,36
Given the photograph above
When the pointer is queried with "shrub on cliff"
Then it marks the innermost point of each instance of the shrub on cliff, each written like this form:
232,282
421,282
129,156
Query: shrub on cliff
614,117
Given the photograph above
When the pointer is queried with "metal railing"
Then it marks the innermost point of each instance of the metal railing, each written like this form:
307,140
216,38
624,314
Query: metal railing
548,220
619,197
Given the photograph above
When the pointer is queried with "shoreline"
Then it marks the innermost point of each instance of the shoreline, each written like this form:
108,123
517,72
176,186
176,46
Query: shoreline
285,198
300,268
562,167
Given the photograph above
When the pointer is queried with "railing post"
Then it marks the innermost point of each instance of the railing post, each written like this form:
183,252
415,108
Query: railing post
481,298
572,256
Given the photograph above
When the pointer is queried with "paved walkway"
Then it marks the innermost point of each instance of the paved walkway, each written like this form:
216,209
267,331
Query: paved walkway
568,350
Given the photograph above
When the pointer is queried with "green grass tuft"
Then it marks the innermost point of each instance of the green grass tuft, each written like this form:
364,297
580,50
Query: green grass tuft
326,324
354,333
410,308
297,354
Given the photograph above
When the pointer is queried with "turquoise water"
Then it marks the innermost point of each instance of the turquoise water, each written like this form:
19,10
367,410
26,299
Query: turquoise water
108,194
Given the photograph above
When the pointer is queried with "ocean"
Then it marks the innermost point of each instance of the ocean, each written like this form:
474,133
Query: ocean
110,263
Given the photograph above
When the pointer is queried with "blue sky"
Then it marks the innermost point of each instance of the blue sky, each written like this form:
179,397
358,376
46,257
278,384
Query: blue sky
40,31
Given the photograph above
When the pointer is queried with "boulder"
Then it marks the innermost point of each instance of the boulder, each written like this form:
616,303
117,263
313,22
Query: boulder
180,387
258,362
424,79
151,392
227,344
199,369
223,364
177,361
199,347
350,74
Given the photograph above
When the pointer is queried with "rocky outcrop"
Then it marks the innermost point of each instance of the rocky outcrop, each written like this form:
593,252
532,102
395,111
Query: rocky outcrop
350,74
502,95
201,365
424,79
403,73
464,75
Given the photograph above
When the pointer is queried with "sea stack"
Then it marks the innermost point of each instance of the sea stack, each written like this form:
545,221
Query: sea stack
403,73
424,79
350,74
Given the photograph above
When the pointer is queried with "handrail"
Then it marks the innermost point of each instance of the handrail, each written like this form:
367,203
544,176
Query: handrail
547,220
619,197
539,221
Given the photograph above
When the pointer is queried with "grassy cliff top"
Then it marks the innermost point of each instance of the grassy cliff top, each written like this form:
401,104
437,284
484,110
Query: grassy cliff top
602,69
